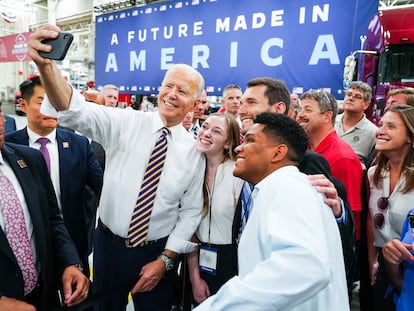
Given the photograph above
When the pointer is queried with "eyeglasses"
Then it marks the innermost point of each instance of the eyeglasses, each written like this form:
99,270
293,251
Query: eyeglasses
354,96
379,218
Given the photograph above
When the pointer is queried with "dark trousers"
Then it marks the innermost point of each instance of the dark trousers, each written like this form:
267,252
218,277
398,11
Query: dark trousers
381,301
114,263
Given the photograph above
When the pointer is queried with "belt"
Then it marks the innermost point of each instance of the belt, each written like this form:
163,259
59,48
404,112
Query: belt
126,241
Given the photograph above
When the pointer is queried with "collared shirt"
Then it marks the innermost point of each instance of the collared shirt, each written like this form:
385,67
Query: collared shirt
290,254
7,170
128,138
194,129
216,226
345,166
394,213
52,147
360,137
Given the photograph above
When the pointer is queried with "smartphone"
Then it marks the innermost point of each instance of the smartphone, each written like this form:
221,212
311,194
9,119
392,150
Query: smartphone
60,46
411,221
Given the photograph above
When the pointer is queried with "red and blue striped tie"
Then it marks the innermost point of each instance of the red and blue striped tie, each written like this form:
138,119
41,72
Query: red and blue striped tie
138,228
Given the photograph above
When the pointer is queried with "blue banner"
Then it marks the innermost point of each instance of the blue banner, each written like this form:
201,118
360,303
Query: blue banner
302,42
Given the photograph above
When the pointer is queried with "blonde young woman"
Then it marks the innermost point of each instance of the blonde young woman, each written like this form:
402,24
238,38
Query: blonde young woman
391,185
213,263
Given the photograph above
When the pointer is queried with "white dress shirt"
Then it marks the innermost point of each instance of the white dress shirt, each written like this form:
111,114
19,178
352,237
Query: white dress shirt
52,147
128,138
395,213
7,170
225,194
290,254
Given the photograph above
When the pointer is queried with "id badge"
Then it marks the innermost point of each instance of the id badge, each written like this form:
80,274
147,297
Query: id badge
208,259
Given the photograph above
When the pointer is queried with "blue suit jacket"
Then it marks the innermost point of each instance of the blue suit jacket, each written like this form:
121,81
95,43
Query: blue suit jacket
78,168
54,248
10,124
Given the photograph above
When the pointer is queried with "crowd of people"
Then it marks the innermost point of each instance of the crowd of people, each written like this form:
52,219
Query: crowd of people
276,202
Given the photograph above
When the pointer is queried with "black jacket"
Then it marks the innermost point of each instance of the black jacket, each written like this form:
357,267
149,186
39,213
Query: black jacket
54,248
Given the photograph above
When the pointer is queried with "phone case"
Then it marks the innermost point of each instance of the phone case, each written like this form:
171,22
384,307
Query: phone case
60,46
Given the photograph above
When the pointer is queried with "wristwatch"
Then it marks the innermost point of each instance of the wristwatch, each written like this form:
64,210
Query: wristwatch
168,262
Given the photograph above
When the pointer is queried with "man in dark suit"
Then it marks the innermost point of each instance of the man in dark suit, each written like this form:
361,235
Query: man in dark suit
55,255
73,165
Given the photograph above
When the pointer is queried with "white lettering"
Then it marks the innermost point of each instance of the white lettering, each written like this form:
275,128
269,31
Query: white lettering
240,23
233,54
114,39
198,29
223,25
168,32
111,63
302,12
277,18
201,53
167,58
258,20
319,52
154,33
182,30
131,35
322,14
142,35
265,55
137,62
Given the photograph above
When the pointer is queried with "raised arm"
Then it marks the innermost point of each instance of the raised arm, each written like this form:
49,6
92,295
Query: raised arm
56,87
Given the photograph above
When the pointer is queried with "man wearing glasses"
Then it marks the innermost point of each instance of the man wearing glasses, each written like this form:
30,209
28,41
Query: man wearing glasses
353,126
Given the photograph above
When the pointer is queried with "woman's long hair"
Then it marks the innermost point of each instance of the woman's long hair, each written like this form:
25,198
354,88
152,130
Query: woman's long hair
233,138
406,113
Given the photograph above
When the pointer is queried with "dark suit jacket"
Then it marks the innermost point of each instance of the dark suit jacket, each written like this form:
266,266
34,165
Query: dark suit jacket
10,124
78,167
54,248
314,163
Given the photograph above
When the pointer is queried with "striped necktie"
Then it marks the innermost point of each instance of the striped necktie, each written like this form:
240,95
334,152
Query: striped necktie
195,130
138,228
246,202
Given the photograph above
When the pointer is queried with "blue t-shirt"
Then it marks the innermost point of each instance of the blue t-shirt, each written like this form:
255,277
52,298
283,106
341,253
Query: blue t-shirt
404,301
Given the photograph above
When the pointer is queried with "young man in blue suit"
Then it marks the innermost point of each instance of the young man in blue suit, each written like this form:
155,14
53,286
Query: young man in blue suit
73,164
53,251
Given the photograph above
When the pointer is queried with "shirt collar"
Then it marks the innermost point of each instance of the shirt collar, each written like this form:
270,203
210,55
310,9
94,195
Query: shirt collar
33,137
158,124
2,161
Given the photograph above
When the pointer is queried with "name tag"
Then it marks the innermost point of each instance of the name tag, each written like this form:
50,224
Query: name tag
208,259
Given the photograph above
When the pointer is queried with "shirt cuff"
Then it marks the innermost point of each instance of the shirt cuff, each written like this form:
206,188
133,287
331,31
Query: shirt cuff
180,246
342,219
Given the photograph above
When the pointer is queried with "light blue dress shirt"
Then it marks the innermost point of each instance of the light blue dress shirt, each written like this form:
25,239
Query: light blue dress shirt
290,255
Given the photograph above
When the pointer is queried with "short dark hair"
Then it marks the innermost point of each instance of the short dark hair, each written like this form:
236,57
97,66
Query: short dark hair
276,91
27,87
284,130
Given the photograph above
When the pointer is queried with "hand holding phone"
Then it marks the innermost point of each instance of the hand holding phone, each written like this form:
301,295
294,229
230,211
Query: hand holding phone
60,46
